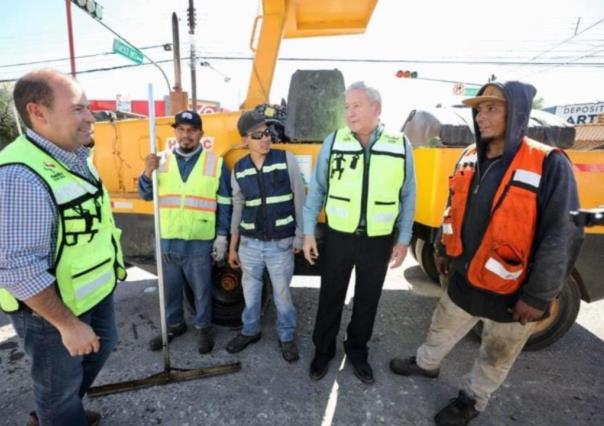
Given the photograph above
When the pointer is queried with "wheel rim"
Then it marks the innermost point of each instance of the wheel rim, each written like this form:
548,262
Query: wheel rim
229,282
553,314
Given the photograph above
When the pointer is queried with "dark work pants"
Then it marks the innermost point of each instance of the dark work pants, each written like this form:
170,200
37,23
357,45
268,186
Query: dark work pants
342,252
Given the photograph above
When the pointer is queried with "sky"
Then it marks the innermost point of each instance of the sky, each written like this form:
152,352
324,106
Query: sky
423,36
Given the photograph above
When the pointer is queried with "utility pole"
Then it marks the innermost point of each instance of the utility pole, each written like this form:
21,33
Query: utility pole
191,16
70,37
179,100
176,56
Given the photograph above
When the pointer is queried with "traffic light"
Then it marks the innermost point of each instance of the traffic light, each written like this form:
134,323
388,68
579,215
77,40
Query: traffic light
406,74
91,7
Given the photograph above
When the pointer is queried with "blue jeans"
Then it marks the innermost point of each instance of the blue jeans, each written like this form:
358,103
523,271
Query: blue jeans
278,258
195,271
60,380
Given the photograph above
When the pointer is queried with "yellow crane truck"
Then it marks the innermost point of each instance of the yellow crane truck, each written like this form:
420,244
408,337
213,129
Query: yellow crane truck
121,147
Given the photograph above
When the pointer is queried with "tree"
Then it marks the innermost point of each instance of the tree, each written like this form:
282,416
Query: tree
538,103
8,126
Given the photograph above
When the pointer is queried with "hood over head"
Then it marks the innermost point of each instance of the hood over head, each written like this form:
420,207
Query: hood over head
519,101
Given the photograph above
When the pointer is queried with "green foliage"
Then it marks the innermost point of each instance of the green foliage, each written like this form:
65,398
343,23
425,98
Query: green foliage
538,103
8,127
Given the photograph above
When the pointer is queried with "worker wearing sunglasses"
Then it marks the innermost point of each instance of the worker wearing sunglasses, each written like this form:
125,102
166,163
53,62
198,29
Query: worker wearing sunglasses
268,195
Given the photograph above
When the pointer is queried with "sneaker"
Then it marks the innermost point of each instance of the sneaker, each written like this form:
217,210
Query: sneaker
363,371
409,367
205,340
460,411
318,368
289,350
92,418
241,341
156,343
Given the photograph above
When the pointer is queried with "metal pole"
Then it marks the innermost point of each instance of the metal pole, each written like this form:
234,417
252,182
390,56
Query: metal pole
70,36
176,45
191,13
158,256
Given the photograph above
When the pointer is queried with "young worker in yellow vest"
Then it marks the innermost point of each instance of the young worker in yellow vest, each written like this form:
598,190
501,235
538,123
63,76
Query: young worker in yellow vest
60,254
365,179
507,246
195,213
268,195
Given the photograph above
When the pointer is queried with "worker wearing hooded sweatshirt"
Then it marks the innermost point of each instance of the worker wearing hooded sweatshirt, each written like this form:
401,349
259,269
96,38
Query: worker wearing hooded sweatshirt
506,246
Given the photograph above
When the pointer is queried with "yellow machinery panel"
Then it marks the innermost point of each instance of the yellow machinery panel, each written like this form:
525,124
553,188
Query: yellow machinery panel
433,166
307,18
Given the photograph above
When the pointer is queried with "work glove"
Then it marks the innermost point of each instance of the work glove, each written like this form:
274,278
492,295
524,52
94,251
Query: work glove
219,248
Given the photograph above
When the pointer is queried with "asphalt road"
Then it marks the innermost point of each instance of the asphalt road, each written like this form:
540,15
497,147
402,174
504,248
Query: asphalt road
561,385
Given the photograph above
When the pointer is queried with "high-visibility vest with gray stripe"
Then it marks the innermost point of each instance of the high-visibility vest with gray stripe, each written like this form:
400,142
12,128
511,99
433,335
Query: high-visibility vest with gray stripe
88,257
268,212
358,189
188,209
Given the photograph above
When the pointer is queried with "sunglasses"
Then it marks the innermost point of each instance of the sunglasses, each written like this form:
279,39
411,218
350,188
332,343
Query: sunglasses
259,134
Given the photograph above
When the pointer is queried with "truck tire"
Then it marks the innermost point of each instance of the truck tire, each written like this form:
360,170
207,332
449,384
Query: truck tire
424,252
412,246
563,314
227,296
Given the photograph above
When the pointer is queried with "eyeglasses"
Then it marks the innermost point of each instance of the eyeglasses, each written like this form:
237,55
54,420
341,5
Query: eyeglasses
259,134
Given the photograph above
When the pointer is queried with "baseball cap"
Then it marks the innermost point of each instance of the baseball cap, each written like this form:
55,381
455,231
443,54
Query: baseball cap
187,117
490,93
249,121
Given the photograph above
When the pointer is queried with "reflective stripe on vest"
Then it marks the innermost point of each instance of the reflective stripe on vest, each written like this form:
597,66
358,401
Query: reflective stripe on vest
88,259
502,259
346,175
188,209
270,200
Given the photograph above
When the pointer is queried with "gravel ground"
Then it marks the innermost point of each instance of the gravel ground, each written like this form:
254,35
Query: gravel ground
561,385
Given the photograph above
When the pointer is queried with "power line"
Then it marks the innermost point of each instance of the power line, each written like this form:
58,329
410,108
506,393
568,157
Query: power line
92,55
572,63
576,34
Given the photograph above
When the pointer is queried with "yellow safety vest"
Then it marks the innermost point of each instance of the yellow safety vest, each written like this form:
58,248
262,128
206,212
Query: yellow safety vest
88,258
188,209
357,190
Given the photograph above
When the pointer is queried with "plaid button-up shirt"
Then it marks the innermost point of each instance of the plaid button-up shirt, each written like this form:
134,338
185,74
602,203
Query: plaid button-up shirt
28,222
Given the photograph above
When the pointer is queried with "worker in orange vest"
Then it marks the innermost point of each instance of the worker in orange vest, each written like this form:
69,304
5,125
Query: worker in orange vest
506,246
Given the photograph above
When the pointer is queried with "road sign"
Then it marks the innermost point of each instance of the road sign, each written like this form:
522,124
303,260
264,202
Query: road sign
470,91
128,51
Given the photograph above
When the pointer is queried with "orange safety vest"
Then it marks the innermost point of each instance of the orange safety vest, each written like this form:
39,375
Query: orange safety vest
500,264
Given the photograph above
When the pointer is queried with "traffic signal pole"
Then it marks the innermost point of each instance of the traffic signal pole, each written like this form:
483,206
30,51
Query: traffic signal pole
70,36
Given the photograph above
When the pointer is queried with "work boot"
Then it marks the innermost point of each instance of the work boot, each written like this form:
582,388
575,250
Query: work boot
155,344
289,350
205,340
363,371
459,412
409,367
241,341
92,418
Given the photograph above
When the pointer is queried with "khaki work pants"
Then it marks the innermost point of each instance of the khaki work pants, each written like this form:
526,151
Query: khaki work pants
501,345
